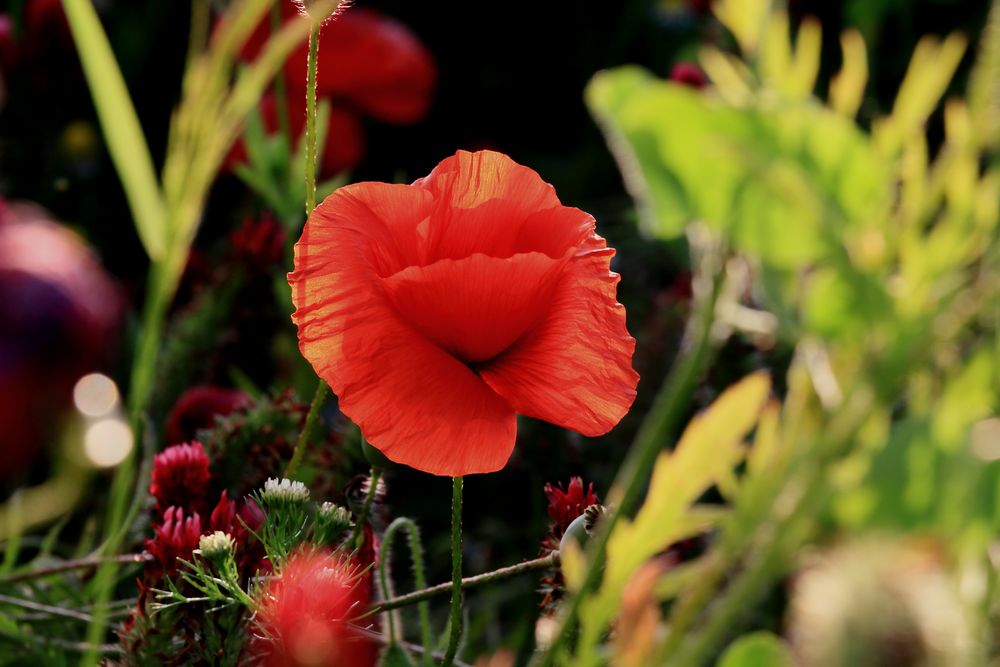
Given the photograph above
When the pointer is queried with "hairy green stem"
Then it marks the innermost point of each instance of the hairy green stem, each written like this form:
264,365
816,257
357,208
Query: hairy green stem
358,536
662,421
419,578
311,118
455,615
311,67
475,581
303,441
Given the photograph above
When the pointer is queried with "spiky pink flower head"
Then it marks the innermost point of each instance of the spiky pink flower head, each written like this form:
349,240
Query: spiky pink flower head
175,538
566,505
181,477
304,614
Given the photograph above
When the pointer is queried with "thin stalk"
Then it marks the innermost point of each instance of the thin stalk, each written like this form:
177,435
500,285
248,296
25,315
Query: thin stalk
46,609
358,536
300,445
662,421
310,174
70,565
475,581
455,615
311,67
417,555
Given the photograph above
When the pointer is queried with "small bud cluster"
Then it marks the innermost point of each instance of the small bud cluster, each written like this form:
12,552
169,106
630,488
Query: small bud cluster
279,492
332,521
216,545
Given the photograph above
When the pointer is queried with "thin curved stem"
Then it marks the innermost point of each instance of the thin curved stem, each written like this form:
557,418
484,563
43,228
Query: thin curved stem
455,616
300,445
358,536
475,581
311,68
419,578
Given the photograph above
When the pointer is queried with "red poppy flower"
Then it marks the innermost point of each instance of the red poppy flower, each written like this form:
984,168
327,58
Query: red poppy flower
304,615
180,477
438,310
370,64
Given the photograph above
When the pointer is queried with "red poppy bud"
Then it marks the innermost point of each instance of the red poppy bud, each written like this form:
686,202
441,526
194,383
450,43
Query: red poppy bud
460,300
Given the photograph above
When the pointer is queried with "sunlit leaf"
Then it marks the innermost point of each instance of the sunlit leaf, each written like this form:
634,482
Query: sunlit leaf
760,649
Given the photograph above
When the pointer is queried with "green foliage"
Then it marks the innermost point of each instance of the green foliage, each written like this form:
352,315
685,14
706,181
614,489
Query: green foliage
759,649
879,260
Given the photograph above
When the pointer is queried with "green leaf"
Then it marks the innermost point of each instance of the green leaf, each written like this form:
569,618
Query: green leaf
785,183
121,127
759,649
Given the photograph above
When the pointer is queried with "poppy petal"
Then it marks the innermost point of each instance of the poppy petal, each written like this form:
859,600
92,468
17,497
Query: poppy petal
476,307
415,402
475,190
575,368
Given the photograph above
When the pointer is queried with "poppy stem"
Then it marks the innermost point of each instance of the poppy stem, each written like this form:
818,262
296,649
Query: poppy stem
307,427
455,617
417,555
358,536
311,67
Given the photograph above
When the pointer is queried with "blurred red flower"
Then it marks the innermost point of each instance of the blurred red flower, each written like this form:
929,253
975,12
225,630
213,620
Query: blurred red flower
438,310
369,64
304,613
59,313
688,74
197,408
180,477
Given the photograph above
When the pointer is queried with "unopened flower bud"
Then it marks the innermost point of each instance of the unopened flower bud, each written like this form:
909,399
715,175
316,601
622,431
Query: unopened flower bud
332,521
217,546
576,532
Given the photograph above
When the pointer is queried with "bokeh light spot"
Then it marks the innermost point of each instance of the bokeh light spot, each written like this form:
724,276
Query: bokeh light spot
107,442
95,395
